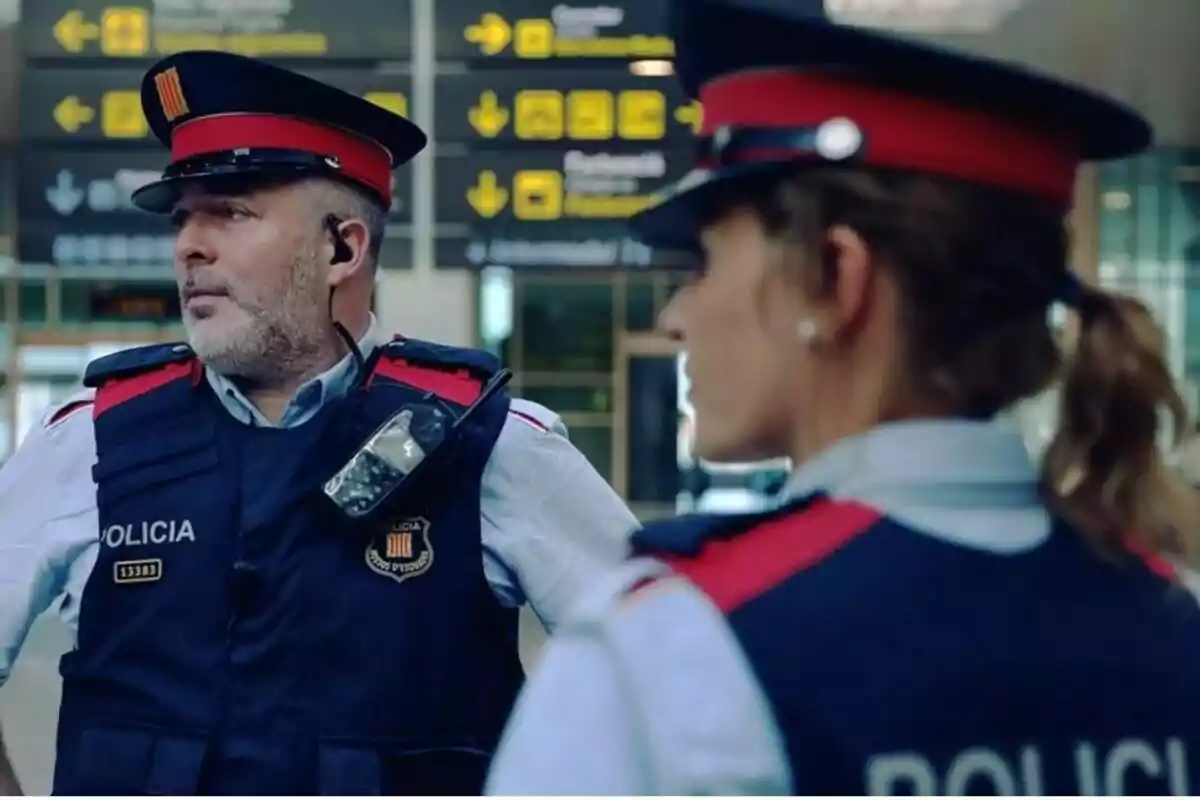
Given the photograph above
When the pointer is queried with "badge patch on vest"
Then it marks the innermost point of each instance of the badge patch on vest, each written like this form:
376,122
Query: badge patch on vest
142,570
402,551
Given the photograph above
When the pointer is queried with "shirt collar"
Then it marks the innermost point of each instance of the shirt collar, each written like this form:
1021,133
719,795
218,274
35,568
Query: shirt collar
309,397
914,455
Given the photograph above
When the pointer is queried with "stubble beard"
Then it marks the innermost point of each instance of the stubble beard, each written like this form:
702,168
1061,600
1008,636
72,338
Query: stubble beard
271,344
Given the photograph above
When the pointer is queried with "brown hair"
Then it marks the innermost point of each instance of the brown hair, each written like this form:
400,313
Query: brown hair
978,269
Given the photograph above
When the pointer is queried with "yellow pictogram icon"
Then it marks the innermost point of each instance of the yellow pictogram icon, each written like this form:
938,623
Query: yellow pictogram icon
394,102
590,114
125,31
487,196
538,195
691,115
73,31
488,118
492,34
539,114
642,114
121,115
71,114
534,38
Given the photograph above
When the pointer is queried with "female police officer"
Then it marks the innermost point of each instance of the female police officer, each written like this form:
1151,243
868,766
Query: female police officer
881,226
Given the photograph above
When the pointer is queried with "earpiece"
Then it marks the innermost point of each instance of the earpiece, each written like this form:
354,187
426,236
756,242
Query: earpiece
341,251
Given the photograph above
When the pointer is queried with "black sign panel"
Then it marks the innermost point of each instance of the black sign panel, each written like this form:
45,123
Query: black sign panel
496,189
553,210
72,187
576,107
605,248
272,29
550,30
130,301
149,244
75,208
74,105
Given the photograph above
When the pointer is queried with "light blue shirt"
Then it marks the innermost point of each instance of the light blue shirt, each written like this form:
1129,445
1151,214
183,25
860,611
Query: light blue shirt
309,397
550,523
650,694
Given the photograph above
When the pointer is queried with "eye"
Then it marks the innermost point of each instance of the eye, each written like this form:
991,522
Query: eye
235,213
179,218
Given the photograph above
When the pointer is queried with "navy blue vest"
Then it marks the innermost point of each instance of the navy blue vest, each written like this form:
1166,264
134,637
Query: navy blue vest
897,663
239,635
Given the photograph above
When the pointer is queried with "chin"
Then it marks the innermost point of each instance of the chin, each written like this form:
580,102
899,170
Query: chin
733,446
721,449
211,338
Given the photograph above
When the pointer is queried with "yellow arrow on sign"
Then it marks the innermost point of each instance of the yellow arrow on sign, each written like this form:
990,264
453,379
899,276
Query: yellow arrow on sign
489,117
692,114
394,102
492,33
71,114
72,31
487,196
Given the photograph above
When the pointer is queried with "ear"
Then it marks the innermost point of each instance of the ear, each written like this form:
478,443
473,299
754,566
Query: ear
849,261
354,252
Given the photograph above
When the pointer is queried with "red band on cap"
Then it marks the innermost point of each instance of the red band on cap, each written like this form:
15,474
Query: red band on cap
361,160
900,130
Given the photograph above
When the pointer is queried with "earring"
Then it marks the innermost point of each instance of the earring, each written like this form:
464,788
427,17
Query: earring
807,330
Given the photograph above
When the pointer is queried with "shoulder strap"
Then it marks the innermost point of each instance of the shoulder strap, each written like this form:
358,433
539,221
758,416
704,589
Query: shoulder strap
124,375
737,559
454,374
687,535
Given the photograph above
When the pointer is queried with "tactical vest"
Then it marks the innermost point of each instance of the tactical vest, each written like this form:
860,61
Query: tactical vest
239,636
897,663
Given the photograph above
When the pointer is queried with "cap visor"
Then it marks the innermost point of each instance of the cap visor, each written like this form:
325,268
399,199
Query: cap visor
162,196
673,223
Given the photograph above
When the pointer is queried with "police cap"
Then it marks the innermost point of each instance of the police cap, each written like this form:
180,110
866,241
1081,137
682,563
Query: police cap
782,86
225,117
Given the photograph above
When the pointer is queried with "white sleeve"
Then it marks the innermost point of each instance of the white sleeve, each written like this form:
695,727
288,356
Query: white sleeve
642,694
48,526
1190,578
551,523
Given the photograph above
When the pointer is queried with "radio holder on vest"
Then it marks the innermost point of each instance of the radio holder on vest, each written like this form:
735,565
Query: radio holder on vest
400,449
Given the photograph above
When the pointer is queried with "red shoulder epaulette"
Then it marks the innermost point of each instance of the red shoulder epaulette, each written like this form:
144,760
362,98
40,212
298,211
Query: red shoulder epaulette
115,391
732,571
456,385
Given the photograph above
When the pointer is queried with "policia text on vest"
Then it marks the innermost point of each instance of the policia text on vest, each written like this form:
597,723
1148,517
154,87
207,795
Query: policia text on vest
1099,770
161,531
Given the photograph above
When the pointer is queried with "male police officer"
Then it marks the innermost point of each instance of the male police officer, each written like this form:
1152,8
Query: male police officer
303,543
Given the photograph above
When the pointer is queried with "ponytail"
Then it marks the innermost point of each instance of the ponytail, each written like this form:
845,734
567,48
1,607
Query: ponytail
1104,470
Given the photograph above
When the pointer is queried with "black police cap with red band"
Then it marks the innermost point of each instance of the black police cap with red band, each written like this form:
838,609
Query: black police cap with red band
782,86
228,117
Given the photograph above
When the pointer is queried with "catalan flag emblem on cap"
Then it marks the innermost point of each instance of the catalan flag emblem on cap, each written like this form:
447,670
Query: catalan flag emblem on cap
170,94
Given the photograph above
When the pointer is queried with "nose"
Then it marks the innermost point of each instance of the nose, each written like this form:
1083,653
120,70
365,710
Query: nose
672,318
194,245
